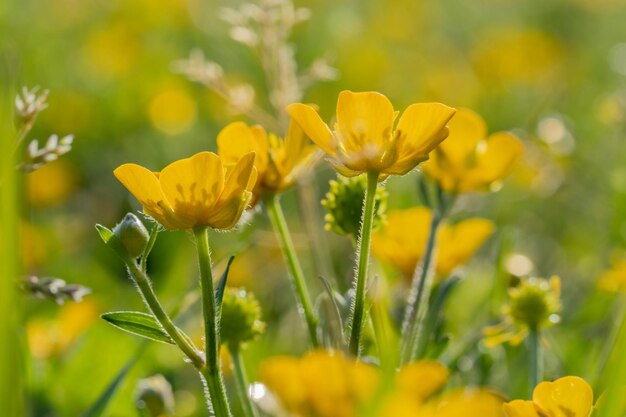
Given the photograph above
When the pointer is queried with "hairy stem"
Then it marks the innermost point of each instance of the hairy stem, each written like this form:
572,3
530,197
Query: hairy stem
212,370
363,255
147,292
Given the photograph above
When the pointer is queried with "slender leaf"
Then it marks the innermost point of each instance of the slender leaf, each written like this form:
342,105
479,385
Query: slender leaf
137,323
221,285
99,406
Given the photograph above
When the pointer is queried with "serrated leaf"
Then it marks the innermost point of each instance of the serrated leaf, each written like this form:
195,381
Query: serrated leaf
137,323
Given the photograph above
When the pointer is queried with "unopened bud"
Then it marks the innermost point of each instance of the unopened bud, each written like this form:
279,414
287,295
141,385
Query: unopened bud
154,396
132,234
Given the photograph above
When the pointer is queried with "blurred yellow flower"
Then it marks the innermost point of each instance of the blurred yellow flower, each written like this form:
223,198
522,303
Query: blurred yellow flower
196,191
466,402
51,184
569,396
172,111
402,241
278,162
320,384
614,279
34,245
469,160
364,138
329,384
508,55
420,380
51,337
112,51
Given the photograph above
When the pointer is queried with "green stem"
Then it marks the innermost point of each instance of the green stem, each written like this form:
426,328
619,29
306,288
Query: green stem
147,292
305,308
365,241
249,410
212,371
535,358
417,307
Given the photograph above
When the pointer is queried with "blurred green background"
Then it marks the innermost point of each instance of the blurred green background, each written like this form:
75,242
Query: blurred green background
552,71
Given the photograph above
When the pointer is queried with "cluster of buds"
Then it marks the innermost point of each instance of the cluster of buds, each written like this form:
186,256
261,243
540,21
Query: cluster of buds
264,27
251,23
29,104
54,289
344,205
37,156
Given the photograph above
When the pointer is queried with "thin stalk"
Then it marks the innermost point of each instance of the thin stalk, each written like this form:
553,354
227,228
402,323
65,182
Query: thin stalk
241,382
535,359
147,292
212,370
303,298
363,255
417,307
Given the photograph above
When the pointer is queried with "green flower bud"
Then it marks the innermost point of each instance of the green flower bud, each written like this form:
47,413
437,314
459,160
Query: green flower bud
241,317
154,397
535,302
132,234
344,205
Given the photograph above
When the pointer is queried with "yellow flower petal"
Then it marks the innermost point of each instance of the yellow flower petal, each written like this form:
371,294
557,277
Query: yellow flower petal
496,159
144,185
520,408
236,195
458,243
237,139
297,149
451,161
240,177
312,124
467,129
421,128
570,396
402,242
364,119
422,379
193,186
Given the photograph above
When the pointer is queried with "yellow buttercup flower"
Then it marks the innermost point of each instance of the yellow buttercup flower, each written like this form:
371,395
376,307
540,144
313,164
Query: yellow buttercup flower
278,162
320,384
51,337
193,192
614,279
402,242
329,384
413,395
364,138
469,160
466,402
569,396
